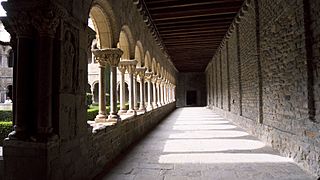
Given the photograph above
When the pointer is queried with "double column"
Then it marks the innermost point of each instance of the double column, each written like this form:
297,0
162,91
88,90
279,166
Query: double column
112,57
155,91
149,78
141,72
122,69
130,67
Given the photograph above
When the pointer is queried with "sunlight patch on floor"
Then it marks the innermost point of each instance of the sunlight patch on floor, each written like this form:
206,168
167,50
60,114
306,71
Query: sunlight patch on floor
211,145
210,158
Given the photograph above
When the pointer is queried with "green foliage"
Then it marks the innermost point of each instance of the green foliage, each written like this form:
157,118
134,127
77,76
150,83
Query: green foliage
92,113
5,129
6,115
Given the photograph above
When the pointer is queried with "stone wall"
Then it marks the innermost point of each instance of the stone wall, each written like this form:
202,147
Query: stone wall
191,82
273,55
87,156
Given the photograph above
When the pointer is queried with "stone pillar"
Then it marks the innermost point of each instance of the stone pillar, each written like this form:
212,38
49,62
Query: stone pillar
165,92
174,92
100,57
112,57
46,27
154,80
162,92
131,68
169,92
159,92
141,72
135,91
22,27
113,60
122,69
148,78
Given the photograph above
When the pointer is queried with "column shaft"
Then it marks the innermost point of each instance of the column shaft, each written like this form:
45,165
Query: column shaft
122,94
113,93
149,107
142,102
154,103
101,117
135,92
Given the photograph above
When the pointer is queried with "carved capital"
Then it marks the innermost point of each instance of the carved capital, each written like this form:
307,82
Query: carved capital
108,55
154,78
46,22
149,75
122,67
141,71
20,23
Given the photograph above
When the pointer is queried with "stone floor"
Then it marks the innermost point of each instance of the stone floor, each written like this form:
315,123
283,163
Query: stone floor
196,143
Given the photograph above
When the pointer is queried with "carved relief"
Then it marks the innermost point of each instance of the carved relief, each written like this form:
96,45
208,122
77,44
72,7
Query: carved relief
70,66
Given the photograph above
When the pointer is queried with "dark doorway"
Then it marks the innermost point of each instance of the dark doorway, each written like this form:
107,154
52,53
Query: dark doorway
191,98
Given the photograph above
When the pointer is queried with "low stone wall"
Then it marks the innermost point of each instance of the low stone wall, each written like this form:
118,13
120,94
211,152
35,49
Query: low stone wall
106,144
302,149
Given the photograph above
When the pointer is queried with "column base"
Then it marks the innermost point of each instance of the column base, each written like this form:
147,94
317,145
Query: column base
114,118
142,109
159,104
132,112
155,105
122,111
149,107
100,118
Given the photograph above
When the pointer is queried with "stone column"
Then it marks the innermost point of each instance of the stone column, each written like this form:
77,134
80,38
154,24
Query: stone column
169,92
122,69
148,78
100,57
141,72
162,92
46,24
174,92
21,25
135,91
165,92
154,80
131,68
159,92
112,57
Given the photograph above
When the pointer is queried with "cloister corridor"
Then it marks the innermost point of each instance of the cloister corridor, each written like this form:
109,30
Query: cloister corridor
196,143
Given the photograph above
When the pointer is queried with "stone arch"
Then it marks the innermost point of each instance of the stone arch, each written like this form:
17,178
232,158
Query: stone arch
131,40
102,22
124,45
147,59
158,69
139,54
154,66
126,91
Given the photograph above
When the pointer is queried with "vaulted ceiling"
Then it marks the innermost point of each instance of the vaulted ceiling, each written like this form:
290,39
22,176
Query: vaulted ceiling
191,30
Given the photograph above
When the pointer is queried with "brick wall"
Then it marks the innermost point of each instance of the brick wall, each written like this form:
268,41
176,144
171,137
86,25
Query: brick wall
234,74
273,51
191,82
224,68
248,65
